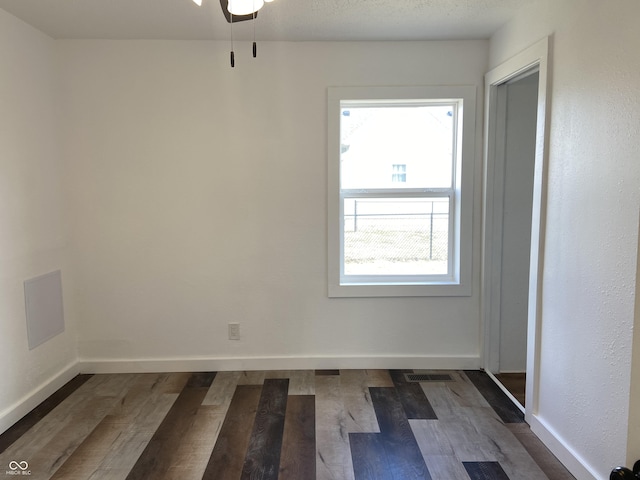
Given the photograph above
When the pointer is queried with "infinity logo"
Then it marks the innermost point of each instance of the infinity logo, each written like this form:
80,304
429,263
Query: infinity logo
13,465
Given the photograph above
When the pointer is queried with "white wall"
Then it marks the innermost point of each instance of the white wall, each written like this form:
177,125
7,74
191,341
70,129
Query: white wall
197,195
591,240
32,231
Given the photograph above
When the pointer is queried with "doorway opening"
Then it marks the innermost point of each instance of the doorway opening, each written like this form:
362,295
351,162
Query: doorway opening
515,138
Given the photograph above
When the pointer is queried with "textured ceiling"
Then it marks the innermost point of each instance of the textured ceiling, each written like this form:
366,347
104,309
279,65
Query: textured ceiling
294,20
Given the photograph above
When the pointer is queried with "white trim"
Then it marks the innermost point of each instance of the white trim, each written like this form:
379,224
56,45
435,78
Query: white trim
532,57
10,415
461,285
563,452
193,364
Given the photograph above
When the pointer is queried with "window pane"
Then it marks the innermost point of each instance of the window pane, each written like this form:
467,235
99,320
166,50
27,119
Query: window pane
396,146
400,236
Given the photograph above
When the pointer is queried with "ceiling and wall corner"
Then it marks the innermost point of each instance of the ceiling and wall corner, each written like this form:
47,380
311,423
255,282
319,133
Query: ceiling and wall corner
282,20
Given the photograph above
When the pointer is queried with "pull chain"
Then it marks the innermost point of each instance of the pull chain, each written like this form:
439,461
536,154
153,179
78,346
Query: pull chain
255,45
233,56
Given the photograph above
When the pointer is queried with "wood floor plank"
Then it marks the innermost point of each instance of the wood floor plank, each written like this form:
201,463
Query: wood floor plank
114,385
135,436
138,414
432,439
227,459
52,440
378,378
277,374
38,436
478,435
54,454
369,457
298,457
201,380
485,471
515,383
251,377
451,401
503,406
442,398
142,388
222,389
466,393
172,382
86,459
192,455
333,472
413,399
504,446
21,427
333,459
469,444
547,462
302,382
403,454
262,461
157,456
360,414
446,467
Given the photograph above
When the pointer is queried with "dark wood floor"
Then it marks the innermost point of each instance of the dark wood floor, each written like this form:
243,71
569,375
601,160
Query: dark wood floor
279,425
515,383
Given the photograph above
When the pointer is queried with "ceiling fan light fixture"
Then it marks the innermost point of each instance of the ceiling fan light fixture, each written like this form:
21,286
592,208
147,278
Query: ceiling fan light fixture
244,7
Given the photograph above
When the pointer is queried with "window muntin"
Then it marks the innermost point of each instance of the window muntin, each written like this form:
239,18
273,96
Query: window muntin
400,208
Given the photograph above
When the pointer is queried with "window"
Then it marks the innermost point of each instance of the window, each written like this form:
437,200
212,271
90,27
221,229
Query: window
399,174
400,190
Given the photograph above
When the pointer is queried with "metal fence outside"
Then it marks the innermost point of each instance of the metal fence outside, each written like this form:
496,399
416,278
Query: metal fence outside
380,231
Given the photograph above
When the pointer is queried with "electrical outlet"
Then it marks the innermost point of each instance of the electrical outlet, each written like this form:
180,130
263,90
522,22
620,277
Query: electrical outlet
234,331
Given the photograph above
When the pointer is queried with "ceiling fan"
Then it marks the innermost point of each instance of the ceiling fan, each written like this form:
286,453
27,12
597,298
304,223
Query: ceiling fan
239,11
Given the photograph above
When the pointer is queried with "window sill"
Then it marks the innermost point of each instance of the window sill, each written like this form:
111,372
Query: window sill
400,290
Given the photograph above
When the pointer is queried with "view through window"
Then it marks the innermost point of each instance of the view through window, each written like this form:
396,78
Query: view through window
397,170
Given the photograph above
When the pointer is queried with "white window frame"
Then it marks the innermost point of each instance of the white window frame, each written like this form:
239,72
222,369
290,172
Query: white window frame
458,283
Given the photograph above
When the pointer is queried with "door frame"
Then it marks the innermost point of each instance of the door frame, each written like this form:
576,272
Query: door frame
534,57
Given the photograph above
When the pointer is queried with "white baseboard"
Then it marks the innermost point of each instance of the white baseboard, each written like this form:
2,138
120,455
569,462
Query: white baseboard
554,442
200,364
9,416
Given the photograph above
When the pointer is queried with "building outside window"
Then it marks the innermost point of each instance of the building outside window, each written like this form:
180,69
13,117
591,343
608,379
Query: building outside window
399,174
